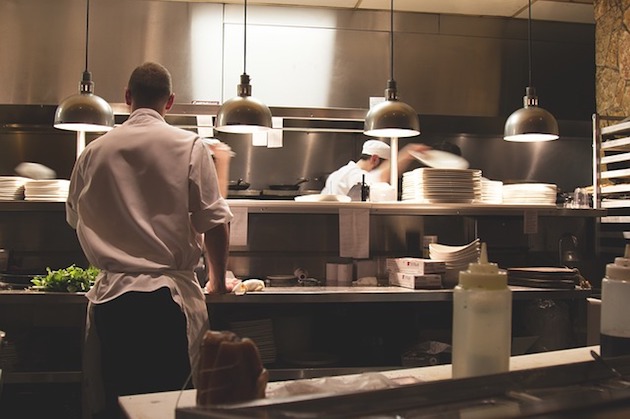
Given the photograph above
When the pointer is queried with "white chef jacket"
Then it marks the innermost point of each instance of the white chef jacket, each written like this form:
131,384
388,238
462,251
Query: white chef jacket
343,179
140,198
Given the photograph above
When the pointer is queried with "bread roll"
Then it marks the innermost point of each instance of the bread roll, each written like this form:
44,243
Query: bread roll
230,370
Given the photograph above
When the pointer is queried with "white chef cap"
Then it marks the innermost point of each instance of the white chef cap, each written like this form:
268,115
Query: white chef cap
381,149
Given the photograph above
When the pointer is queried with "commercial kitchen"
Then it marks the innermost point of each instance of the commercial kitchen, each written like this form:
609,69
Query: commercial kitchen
338,336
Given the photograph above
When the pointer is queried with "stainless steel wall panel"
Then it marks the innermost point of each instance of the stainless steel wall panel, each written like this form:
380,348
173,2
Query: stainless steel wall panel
186,38
38,41
43,46
317,57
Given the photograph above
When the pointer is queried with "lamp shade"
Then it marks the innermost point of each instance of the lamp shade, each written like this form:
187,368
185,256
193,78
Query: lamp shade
392,118
531,123
84,111
243,114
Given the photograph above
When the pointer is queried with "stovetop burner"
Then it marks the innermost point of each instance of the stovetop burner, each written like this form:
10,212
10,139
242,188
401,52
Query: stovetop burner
245,193
271,193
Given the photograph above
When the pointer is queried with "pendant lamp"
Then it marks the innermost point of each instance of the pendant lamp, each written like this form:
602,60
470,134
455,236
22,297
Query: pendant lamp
243,114
391,118
531,123
85,111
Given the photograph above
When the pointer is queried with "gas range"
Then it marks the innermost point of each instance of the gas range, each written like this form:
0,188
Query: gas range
271,194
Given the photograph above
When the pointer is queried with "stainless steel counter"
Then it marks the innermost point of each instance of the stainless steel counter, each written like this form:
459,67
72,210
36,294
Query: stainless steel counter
278,295
39,297
163,405
293,295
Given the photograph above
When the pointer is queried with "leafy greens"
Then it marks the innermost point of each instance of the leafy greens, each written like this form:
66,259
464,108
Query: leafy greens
70,279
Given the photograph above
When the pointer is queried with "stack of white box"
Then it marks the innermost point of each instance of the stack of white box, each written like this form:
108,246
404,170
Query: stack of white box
415,273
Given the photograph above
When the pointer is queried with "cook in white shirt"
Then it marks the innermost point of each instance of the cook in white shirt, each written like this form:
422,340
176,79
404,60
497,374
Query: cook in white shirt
373,166
146,201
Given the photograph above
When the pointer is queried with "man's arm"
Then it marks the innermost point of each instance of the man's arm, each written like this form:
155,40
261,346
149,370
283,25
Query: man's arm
222,156
216,244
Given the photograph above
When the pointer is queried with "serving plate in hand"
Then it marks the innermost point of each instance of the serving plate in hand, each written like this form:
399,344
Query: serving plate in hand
440,159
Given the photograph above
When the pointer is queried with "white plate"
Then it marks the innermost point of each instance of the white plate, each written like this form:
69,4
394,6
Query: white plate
444,248
440,159
34,171
322,197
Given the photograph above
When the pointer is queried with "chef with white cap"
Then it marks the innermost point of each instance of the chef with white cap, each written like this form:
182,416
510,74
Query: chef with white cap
373,163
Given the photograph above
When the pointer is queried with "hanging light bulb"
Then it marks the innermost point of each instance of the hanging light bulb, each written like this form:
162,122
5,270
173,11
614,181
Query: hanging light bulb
243,114
530,123
391,118
85,111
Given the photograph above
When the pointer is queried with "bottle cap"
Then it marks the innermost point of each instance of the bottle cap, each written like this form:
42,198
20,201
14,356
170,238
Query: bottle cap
483,274
621,268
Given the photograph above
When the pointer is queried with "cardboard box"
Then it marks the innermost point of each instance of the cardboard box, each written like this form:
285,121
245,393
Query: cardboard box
414,282
415,266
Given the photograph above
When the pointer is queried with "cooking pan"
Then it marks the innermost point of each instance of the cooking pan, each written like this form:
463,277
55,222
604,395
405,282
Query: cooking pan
288,187
16,281
238,185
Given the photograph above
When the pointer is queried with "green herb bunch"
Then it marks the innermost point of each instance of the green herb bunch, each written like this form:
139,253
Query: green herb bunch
70,279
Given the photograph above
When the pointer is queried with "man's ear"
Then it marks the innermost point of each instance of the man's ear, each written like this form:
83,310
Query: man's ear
171,100
127,97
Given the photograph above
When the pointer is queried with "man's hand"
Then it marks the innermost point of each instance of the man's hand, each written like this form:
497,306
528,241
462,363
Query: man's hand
222,152
230,283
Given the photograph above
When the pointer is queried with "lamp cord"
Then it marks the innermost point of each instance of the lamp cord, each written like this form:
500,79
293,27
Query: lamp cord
529,42
87,31
391,40
245,38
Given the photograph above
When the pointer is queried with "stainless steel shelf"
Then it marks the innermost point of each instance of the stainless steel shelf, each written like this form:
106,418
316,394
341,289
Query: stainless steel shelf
410,208
619,129
259,206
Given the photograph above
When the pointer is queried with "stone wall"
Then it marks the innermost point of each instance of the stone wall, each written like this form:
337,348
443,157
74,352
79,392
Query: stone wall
612,57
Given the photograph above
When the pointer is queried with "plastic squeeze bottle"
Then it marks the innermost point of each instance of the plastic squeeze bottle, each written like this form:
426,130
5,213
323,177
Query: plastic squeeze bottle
482,320
615,314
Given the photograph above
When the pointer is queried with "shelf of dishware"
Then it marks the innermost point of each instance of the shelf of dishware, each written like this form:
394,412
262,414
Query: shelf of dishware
611,181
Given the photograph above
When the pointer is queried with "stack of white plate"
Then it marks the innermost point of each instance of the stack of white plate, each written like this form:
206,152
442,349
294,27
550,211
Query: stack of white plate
491,191
12,187
46,190
261,332
530,193
457,258
429,185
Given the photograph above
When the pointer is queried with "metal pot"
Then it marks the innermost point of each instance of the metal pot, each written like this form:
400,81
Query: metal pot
288,187
238,185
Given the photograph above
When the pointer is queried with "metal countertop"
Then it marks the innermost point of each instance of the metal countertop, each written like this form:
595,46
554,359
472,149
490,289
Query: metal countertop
299,294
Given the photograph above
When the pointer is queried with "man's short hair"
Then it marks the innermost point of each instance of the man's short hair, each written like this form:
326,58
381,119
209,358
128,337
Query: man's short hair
150,85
